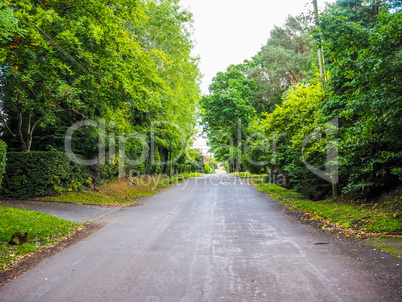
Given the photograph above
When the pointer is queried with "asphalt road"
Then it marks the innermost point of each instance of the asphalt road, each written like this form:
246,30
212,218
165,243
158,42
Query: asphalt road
211,239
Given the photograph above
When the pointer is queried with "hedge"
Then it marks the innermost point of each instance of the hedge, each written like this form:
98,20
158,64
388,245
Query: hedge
3,152
30,174
47,173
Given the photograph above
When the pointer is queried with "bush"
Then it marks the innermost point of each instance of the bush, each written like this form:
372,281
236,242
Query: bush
3,152
101,174
30,174
207,169
194,166
286,128
182,168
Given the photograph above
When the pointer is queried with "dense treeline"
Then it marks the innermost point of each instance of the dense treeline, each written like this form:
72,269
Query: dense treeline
124,67
311,132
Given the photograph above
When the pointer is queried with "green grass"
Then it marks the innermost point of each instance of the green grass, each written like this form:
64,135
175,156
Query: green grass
392,245
115,193
195,174
122,192
42,230
179,178
246,174
368,218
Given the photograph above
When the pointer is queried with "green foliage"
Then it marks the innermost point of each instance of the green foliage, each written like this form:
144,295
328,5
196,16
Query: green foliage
8,22
38,225
30,174
227,112
364,61
102,173
229,101
284,61
239,95
42,229
362,49
194,166
183,168
244,174
207,169
3,153
361,11
363,55
362,217
119,192
285,131
127,63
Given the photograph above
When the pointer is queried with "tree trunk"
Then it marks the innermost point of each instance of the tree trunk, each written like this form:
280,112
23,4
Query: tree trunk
27,142
238,165
239,135
170,164
335,192
20,135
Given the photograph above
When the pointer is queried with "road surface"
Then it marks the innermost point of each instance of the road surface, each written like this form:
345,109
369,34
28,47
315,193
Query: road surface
213,238
74,212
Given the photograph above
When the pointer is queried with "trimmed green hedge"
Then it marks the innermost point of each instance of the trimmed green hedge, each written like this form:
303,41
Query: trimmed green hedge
3,152
30,174
48,173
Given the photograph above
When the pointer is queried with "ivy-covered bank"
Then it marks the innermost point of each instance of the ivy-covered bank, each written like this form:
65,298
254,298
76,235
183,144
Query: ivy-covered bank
355,218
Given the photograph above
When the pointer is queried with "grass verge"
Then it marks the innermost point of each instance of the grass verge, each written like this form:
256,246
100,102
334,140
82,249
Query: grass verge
42,230
392,245
372,218
247,174
122,191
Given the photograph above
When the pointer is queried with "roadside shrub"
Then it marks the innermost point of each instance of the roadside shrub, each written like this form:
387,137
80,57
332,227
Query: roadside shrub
30,174
194,166
207,169
286,130
103,173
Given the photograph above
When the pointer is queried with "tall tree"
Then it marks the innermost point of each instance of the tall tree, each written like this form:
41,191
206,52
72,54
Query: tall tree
363,58
60,64
227,112
283,62
8,22
123,61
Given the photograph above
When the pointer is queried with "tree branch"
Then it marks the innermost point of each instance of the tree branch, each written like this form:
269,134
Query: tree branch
5,124
34,125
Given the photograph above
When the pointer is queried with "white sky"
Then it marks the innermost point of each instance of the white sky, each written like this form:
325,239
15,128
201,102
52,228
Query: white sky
231,31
